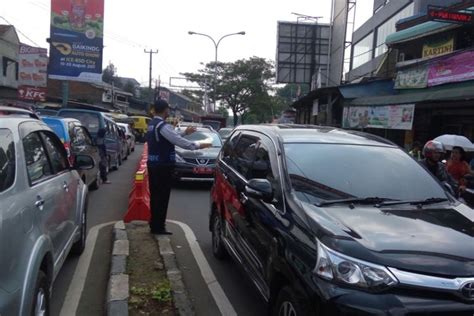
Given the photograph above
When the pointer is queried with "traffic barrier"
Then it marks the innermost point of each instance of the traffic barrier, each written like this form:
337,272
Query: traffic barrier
139,198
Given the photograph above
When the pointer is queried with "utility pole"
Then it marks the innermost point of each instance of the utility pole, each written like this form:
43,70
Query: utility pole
151,52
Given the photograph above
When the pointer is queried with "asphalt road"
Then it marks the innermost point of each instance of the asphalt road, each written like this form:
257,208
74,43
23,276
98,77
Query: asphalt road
190,204
107,204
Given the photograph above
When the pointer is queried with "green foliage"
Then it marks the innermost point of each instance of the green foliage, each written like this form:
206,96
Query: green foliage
161,292
109,73
240,86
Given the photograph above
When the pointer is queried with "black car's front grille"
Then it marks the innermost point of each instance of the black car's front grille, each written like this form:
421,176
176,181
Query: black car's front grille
200,161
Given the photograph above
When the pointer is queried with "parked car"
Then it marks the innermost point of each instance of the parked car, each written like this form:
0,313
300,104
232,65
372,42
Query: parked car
77,141
124,143
333,222
225,132
129,135
14,111
93,121
43,210
140,125
198,165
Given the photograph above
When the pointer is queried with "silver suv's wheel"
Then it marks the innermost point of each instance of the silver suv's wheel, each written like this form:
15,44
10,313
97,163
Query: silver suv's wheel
41,298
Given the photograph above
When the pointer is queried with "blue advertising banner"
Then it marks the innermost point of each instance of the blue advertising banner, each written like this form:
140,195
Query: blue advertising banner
76,40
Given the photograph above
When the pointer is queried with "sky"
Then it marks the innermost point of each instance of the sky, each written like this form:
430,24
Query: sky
132,26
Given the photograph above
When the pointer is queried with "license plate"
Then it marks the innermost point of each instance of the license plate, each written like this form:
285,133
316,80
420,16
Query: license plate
202,170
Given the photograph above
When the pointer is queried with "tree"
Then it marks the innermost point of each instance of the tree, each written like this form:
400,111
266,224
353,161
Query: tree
238,84
109,73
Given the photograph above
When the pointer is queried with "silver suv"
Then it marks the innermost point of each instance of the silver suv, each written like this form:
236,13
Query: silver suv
43,206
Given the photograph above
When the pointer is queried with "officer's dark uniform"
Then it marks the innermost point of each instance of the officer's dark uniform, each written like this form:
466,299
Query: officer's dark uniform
161,161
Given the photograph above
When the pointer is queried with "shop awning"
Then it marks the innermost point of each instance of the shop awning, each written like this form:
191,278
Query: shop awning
419,31
454,92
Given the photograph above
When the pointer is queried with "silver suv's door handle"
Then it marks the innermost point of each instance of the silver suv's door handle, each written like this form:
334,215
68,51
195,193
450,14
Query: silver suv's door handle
66,187
39,203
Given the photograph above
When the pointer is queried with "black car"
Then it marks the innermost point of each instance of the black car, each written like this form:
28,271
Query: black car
333,222
198,165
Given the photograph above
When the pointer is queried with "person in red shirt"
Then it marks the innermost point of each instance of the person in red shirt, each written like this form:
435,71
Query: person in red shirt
458,167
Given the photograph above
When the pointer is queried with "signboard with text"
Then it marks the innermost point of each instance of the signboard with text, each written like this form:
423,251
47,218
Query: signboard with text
386,117
76,40
32,72
438,48
452,69
446,15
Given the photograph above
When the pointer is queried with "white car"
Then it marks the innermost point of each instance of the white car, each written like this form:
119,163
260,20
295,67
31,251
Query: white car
130,136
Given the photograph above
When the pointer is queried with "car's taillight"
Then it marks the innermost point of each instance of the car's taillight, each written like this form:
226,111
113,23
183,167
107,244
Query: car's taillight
67,146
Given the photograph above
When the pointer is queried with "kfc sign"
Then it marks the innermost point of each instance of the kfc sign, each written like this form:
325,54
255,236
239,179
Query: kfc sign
31,93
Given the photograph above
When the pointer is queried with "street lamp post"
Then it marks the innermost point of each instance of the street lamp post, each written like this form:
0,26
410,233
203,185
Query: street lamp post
216,46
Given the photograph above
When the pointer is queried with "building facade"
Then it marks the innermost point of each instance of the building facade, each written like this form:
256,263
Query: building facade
368,41
9,47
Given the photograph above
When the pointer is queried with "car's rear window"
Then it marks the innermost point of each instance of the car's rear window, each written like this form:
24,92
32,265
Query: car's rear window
88,120
58,127
7,159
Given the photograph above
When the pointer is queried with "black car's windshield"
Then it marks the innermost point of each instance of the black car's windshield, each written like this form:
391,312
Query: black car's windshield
326,172
205,137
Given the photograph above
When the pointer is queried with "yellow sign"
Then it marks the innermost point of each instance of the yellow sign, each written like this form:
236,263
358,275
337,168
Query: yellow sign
438,48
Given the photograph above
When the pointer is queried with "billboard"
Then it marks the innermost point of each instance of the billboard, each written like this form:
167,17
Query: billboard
32,72
302,49
76,39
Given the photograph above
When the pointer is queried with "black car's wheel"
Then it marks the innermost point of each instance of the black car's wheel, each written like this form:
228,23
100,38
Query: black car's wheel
41,296
79,246
288,304
218,248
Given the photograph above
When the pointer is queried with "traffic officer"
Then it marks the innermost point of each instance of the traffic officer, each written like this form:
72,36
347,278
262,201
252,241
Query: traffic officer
162,139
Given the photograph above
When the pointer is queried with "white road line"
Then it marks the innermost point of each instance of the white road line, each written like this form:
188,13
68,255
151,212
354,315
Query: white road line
215,288
74,292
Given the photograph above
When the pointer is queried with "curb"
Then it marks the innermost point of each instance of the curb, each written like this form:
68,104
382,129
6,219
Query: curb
180,294
118,286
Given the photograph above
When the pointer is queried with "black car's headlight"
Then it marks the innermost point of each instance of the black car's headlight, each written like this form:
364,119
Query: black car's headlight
179,158
334,266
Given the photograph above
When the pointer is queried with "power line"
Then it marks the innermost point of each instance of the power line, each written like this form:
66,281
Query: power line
19,31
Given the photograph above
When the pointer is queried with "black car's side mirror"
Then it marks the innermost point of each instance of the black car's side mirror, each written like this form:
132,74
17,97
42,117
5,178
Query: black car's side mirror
260,189
83,162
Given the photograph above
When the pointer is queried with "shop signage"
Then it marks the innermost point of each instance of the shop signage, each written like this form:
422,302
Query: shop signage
445,15
452,69
438,48
76,40
32,69
415,78
385,117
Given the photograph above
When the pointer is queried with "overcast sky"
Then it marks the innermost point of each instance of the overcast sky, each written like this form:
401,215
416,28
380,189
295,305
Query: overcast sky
132,26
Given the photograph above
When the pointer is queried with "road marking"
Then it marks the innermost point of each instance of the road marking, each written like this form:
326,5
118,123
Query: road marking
215,288
74,292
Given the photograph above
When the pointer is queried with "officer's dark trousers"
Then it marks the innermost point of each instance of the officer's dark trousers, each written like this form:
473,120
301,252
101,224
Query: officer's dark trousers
159,179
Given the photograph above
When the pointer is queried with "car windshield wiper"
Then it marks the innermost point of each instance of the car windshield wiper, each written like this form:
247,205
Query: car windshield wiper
416,202
366,200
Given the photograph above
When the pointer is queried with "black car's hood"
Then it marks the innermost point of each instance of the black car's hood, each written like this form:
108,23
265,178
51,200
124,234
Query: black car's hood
432,240
209,153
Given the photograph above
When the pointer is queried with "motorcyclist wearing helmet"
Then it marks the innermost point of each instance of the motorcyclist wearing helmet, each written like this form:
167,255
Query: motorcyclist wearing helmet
432,152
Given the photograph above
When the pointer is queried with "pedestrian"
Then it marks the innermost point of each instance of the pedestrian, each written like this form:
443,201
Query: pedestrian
103,155
162,139
432,152
416,151
457,166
